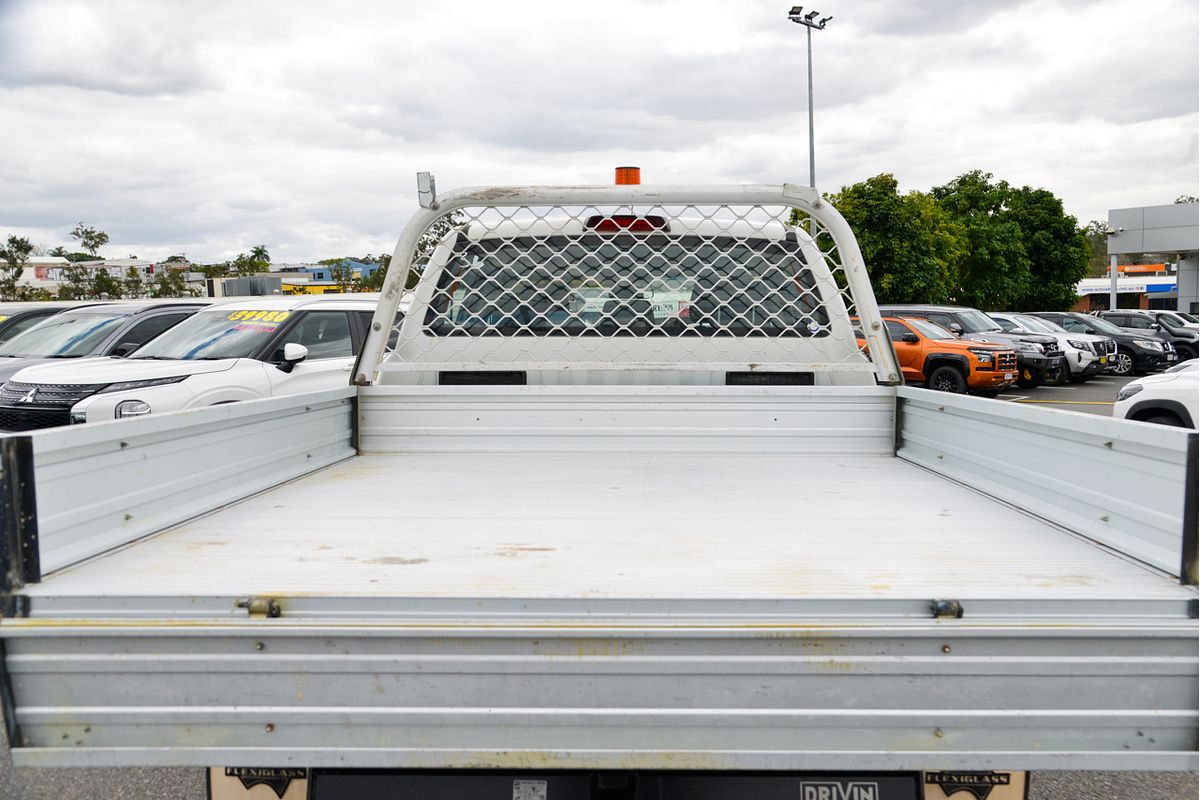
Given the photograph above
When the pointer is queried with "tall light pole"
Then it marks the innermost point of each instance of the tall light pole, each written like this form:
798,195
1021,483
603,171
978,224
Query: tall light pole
810,22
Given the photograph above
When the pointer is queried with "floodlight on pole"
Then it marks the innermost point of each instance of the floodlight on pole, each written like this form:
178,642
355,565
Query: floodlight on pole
810,21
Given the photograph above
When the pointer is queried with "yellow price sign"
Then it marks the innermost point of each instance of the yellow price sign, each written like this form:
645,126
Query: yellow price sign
258,316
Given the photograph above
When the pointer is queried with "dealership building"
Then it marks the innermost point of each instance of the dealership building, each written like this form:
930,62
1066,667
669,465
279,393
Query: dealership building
1173,231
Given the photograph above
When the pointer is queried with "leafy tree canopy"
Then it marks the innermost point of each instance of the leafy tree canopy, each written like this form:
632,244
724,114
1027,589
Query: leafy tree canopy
910,244
89,238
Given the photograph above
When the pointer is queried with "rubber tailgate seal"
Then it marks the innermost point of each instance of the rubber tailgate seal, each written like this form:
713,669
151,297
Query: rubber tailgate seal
19,560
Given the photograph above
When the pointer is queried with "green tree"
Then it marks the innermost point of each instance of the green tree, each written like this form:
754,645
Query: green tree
60,252
105,286
247,264
169,283
13,258
1058,251
133,286
374,281
908,242
221,270
342,274
1097,241
259,253
428,242
89,238
77,284
993,267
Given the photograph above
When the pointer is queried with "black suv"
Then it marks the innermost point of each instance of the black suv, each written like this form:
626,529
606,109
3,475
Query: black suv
1038,355
1162,324
1136,353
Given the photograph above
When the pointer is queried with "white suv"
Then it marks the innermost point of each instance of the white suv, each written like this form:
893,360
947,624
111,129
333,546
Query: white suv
236,351
1086,354
1168,399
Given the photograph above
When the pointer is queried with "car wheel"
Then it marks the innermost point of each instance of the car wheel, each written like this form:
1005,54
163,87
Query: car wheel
947,379
1060,376
1165,419
1122,363
1029,378
1185,353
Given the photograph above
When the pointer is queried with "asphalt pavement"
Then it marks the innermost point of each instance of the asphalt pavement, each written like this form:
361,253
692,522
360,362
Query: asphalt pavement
1093,397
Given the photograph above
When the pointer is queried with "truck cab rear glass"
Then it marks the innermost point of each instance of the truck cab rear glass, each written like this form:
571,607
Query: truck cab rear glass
627,285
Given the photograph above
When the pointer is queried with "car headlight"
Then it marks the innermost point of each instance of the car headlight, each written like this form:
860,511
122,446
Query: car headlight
1030,347
1079,345
984,356
131,408
1128,391
124,385
1148,345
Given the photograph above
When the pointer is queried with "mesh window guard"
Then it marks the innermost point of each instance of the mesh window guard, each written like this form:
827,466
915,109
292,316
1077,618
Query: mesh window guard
628,278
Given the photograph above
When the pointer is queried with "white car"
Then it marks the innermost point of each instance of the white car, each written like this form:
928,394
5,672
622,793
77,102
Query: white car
236,351
1086,354
1171,398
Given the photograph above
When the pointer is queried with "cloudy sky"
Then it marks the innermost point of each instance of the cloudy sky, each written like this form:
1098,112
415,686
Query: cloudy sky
209,127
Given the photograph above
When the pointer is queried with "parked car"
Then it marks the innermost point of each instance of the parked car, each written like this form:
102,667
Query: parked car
1163,324
104,329
1086,355
16,318
1136,353
1168,399
931,355
1171,319
241,350
1038,357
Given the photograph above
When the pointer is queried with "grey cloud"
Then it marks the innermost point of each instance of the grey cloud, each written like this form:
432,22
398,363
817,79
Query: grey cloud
116,48
1167,89
924,17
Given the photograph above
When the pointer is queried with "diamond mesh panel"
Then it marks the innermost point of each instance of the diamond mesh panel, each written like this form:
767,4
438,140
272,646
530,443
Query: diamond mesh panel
627,286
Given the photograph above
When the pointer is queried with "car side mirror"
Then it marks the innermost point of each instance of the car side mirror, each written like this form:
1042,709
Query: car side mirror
125,348
955,328
1154,326
293,354
909,338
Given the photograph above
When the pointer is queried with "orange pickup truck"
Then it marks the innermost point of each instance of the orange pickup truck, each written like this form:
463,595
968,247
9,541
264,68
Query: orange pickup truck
932,355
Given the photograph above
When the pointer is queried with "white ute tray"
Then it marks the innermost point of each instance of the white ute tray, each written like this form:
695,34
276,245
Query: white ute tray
711,526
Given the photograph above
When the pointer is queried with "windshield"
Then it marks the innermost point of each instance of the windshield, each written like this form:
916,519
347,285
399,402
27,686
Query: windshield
215,334
64,336
931,330
627,286
1105,326
976,321
1172,319
1038,325
1188,317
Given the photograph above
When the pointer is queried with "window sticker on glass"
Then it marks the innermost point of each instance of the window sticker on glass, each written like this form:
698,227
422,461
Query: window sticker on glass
590,299
670,297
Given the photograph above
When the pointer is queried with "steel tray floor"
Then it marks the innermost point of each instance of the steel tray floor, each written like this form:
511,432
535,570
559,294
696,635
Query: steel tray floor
617,526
